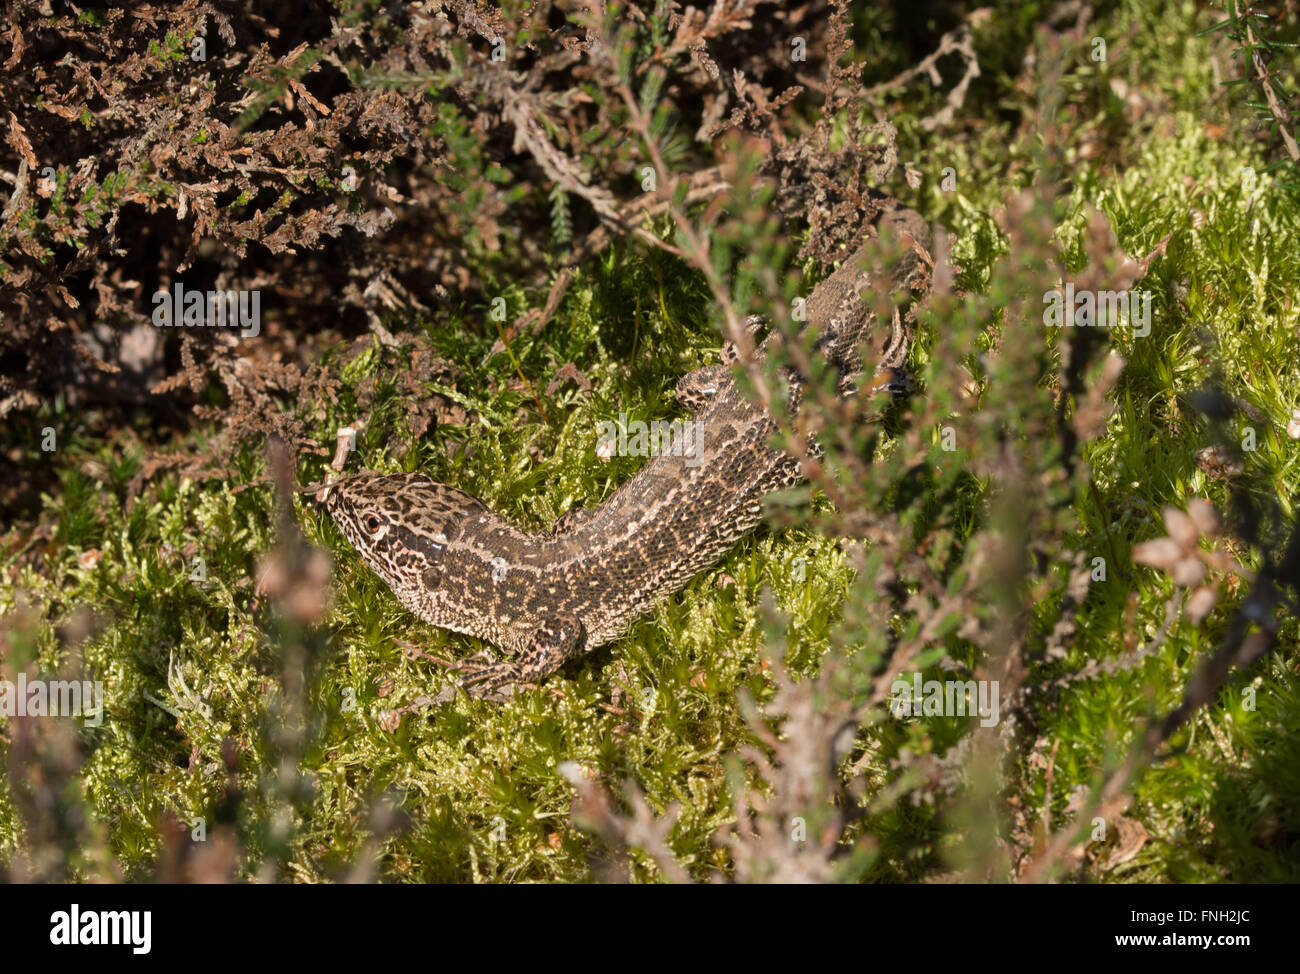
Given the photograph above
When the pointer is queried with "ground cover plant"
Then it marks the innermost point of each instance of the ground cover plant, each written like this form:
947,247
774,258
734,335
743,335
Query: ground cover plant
479,232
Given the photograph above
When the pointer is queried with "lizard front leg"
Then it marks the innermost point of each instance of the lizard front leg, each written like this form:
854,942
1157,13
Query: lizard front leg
556,640
730,353
695,389
571,520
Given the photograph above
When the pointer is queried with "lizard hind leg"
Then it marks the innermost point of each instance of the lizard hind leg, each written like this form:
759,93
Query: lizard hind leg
555,640
897,380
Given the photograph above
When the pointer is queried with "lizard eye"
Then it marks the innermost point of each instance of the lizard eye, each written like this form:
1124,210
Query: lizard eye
372,523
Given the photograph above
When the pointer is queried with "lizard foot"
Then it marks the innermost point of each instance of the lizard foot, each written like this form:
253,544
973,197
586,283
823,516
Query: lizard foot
554,641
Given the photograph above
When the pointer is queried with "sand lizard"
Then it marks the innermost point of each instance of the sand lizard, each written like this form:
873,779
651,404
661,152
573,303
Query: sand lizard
545,597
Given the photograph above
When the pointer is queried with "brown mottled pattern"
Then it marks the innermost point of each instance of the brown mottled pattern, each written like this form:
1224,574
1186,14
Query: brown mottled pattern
544,597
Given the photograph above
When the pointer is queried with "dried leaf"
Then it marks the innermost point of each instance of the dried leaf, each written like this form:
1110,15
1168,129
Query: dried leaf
1201,603
1161,553
1181,528
1204,516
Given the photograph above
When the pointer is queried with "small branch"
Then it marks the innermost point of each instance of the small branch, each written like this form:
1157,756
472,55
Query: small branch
957,41
1275,106
703,185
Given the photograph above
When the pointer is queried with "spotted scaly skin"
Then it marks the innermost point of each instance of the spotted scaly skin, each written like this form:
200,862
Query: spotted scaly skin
545,597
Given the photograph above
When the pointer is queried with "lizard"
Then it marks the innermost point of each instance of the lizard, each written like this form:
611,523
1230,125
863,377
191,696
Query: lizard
547,597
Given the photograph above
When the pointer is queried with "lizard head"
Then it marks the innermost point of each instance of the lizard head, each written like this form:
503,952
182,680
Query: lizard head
406,528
